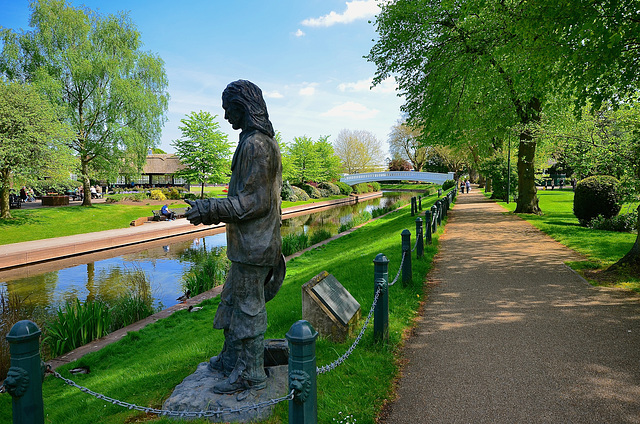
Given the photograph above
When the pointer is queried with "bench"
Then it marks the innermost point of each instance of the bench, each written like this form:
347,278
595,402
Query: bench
180,212
14,201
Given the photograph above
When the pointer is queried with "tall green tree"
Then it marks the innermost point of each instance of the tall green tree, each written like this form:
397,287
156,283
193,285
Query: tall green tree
329,163
203,149
32,139
304,160
111,92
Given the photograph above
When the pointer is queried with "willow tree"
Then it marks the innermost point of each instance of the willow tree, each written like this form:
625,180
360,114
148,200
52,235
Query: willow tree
111,92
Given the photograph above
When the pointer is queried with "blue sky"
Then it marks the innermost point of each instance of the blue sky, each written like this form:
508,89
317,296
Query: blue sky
305,55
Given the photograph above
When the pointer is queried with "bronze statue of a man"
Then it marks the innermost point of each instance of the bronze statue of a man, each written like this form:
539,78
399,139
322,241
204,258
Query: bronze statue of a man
252,212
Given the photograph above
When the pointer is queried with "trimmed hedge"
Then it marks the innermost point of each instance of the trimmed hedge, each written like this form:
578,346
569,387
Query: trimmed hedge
596,196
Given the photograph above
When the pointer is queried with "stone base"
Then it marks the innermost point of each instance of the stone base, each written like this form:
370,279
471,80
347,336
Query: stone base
195,394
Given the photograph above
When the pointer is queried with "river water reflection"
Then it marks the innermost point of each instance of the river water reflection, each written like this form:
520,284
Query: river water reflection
101,275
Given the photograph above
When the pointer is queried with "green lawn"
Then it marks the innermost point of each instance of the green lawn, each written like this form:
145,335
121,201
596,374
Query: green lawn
601,248
49,222
145,366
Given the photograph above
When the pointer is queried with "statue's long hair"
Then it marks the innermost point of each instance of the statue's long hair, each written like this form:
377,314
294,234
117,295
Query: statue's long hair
249,96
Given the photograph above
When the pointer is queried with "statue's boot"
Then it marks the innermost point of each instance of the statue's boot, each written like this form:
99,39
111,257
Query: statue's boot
249,371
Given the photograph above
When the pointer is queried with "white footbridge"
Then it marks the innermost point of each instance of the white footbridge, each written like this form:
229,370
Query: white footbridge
427,177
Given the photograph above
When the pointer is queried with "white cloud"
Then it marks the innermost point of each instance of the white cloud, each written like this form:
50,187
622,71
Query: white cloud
386,86
356,9
308,90
272,94
351,110
299,33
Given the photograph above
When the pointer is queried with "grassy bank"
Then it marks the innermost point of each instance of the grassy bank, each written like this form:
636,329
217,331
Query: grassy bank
145,366
601,248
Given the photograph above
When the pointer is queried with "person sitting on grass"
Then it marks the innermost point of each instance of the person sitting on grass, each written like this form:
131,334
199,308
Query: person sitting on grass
165,211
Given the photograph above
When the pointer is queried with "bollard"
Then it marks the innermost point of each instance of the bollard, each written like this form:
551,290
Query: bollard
434,220
420,243
413,206
24,379
419,203
439,192
439,203
406,252
381,311
427,227
303,408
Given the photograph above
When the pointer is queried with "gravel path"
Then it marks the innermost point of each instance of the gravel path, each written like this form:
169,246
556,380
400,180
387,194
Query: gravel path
510,334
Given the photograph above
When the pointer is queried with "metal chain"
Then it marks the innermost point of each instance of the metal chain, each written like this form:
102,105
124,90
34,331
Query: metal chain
182,414
399,270
326,368
416,243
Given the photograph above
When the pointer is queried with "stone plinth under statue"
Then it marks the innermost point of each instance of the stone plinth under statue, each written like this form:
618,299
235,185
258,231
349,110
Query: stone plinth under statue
195,393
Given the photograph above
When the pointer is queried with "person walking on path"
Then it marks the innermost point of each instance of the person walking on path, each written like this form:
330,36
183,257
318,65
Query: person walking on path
510,334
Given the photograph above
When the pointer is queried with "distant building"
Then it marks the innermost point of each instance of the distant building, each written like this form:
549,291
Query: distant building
159,170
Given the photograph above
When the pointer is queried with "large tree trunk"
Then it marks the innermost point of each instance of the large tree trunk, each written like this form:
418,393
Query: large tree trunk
86,183
631,261
5,183
527,198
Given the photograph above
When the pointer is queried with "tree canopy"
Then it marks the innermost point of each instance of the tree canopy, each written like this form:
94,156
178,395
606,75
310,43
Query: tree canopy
307,160
111,92
203,149
32,139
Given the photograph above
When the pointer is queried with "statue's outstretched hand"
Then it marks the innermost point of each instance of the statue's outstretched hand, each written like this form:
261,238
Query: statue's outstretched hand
193,213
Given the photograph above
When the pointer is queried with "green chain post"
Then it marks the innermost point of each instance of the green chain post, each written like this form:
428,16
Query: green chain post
303,408
24,379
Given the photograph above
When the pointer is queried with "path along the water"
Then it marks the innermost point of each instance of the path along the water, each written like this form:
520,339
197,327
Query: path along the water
509,334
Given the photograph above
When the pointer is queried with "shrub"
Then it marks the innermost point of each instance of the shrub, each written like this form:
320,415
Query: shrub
190,196
361,188
292,243
173,194
300,194
375,186
624,223
134,305
448,184
312,191
344,188
287,193
332,188
318,236
596,196
157,195
77,325
210,271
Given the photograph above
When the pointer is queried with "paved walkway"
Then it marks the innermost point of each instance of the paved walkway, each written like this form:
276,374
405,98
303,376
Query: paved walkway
509,334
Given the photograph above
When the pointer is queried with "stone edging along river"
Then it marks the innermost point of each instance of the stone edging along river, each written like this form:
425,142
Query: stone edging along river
39,251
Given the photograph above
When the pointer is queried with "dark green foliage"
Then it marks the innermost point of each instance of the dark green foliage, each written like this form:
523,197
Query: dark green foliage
287,193
375,186
209,271
344,188
596,196
361,188
311,191
496,169
292,243
190,196
332,188
318,236
624,223
448,184
300,194
76,325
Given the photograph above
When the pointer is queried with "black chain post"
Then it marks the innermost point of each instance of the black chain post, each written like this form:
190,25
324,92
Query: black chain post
381,311
427,226
419,241
406,254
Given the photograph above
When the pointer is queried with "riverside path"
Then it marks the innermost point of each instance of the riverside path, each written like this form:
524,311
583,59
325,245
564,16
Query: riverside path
509,334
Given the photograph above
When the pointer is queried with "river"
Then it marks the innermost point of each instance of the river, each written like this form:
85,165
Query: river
101,275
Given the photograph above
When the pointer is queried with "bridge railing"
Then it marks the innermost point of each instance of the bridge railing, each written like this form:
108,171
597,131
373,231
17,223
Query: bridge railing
431,177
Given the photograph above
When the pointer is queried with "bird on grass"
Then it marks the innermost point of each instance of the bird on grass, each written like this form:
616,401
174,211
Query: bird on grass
194,308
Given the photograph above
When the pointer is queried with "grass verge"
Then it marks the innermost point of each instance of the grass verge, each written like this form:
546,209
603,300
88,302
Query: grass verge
601,248
145,366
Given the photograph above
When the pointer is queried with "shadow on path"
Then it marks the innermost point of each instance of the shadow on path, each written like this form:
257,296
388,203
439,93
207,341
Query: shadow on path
510,334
